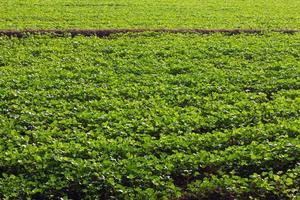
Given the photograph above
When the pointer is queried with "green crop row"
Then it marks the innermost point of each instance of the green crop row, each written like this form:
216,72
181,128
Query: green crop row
150,116
209,14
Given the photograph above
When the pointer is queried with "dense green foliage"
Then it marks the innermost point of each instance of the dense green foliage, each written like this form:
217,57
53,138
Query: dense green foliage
150,116
213,14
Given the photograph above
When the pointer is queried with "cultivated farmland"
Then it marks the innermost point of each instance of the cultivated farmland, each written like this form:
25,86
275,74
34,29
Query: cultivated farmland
150,115
209,14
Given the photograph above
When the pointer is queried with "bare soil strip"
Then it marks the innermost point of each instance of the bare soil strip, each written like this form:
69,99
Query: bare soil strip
107,32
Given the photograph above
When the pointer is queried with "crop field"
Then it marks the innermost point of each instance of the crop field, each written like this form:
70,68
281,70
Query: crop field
209,14
124,100
150,116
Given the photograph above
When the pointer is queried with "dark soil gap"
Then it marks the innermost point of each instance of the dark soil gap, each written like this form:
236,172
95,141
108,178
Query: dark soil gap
108,32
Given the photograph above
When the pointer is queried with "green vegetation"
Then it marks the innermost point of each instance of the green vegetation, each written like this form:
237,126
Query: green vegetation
212,14
150,116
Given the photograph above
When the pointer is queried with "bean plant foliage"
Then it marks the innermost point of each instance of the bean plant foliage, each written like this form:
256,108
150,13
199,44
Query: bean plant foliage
150,116
115,14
